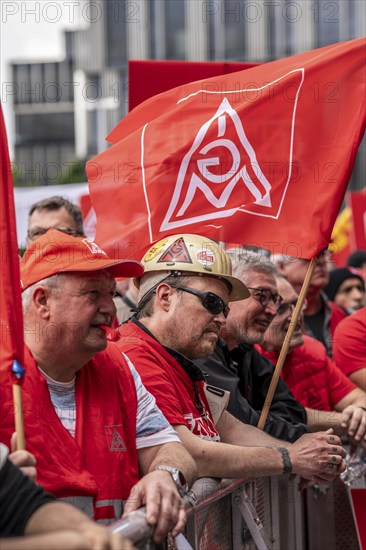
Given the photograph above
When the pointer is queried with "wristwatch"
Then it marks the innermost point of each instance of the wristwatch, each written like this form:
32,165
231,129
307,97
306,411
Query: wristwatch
177,477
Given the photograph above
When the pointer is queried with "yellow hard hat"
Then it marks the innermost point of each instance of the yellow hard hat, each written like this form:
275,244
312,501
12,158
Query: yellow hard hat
193,254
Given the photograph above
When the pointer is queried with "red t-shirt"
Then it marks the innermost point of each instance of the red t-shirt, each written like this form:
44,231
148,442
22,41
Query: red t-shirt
169,382
349,345
313,378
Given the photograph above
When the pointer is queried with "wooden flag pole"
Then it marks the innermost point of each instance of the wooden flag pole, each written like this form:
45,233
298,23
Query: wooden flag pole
286,343
18,415
18,372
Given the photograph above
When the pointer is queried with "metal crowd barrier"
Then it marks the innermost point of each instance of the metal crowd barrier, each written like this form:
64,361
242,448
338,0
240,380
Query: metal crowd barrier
265,514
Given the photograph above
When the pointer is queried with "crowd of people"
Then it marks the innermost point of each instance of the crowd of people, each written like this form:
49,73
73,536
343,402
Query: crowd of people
116,398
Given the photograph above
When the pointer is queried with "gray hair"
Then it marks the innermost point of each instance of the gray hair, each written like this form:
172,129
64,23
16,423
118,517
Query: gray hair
248,260
52,283
145,307
279,260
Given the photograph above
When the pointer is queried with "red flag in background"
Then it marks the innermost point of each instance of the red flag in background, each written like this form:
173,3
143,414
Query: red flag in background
357,200
261,156
149,77
11,319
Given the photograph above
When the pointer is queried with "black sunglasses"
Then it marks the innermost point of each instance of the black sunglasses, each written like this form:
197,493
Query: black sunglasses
265,296
213,303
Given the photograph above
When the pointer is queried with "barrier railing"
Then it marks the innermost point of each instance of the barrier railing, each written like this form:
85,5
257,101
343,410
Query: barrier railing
269,513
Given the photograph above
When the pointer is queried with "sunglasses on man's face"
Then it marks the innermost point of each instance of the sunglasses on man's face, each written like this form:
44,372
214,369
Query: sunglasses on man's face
213,303
265,296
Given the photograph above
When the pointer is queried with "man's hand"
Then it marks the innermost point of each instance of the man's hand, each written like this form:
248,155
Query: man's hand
318,457
92,538
353,419
97,537
164,507
23,460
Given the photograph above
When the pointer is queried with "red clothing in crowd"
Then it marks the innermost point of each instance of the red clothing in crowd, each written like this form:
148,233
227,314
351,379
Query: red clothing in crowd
313,378
349,346
82,467
336,317
174,381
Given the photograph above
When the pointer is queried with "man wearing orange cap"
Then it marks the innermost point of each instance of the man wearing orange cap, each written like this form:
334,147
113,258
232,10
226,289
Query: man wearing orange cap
183,304
88,420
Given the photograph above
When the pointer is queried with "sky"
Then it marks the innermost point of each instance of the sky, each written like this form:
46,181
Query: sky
32,31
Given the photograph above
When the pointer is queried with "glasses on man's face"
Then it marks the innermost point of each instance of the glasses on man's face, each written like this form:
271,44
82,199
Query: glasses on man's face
213,303
36,232
265,296
286,307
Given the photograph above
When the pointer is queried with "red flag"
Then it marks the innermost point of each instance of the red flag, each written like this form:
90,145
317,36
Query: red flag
261,156
357,200
11,319
147,77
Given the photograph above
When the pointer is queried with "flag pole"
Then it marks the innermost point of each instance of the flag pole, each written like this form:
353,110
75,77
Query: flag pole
19,372
286,343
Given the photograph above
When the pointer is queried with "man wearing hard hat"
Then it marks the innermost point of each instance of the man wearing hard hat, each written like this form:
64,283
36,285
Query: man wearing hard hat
183,303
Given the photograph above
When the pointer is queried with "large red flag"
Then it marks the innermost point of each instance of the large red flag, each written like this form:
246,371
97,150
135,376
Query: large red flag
261,156
11,320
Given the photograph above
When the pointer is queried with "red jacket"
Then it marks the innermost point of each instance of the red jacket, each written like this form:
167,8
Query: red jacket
101,462
313,378
174,381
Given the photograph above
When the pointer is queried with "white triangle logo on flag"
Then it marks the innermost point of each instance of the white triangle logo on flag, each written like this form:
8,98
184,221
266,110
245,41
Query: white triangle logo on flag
203,172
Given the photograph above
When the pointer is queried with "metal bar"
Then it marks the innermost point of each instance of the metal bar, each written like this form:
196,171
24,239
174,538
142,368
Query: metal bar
253,522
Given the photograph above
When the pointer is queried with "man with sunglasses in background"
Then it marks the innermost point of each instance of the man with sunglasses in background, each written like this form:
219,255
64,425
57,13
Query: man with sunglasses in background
182,306
330,397
54,213
236,366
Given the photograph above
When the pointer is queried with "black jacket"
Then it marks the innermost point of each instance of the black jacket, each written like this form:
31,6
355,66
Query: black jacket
247,375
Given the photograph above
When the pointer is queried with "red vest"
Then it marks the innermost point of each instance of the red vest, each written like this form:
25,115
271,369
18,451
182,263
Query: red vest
101,462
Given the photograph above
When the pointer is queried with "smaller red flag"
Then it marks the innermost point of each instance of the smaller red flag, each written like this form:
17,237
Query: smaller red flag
11,319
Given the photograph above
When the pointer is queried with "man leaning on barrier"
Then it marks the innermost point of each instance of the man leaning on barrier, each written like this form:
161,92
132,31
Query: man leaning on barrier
330,397
236,366
183,304
89,421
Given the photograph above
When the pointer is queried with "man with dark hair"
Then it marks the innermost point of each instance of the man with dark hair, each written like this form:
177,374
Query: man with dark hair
57,213
346,288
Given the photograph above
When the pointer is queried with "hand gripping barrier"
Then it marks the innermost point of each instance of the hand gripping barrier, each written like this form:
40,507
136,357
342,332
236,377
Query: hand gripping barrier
268,513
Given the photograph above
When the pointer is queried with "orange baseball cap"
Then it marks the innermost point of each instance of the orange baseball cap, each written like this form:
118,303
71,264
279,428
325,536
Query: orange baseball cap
55,252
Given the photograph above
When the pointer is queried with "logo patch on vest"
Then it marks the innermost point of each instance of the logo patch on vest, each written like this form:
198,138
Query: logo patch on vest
114,438
177,252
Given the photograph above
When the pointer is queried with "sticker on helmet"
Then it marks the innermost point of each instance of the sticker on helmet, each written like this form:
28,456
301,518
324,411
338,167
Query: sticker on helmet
206,257
177,252
155,251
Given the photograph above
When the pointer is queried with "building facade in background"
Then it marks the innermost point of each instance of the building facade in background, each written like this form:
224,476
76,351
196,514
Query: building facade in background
64,110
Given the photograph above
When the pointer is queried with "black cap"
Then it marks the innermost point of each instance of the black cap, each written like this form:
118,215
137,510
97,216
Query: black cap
336,278
357,258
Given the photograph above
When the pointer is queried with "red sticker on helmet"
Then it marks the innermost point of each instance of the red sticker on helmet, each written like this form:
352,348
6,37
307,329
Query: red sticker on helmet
177,252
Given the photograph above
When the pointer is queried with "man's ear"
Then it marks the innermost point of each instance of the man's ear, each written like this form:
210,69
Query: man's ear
164,294
40,299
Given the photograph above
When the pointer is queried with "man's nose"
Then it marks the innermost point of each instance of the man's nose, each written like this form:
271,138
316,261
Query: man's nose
271,308
107,306
220,318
